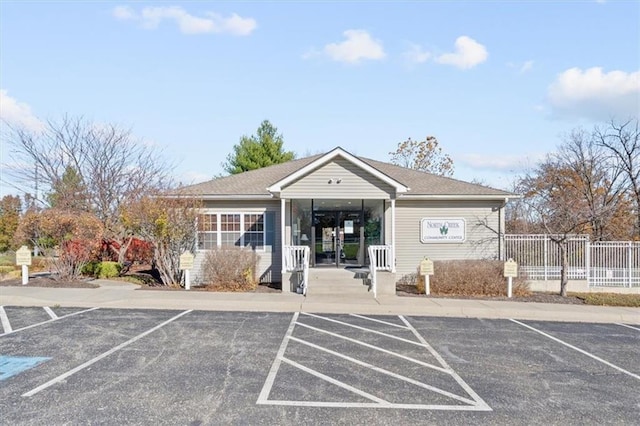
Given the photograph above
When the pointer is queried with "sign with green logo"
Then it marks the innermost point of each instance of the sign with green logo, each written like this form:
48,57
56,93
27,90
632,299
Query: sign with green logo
442,230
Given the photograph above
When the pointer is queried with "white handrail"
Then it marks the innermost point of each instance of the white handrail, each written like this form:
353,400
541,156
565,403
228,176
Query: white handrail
296,259
380,259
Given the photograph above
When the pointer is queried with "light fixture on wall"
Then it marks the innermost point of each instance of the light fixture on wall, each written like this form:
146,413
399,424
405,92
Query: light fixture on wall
304,238
339,180
330,181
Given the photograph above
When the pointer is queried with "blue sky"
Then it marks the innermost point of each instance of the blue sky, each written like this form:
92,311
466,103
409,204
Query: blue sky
497,82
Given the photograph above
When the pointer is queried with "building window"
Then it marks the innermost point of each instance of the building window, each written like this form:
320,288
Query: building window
207,231
254,231
230,230
234,230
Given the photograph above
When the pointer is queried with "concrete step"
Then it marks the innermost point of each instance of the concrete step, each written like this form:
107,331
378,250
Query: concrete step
341,282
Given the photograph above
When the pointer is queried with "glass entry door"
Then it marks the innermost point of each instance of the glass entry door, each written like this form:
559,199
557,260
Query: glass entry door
338,238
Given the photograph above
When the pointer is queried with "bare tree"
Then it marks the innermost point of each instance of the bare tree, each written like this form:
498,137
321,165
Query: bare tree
426,156
168,222
622,142
111,166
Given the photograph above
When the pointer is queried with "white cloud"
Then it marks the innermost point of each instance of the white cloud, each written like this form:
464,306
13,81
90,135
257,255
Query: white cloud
416,55
527,66
358,46
468,54
595,94
151,17
17,113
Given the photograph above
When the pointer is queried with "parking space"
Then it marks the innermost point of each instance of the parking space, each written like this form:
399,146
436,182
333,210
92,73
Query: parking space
195,367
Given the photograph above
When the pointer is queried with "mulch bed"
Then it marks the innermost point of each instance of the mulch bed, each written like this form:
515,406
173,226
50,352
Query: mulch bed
402,290
408,290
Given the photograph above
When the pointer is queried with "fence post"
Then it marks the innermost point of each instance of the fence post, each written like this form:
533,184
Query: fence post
630,258
546,253
587,261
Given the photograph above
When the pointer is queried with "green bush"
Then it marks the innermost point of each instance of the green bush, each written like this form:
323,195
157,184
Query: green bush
90,268
107,270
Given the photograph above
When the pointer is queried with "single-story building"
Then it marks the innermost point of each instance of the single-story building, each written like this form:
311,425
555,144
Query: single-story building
338,204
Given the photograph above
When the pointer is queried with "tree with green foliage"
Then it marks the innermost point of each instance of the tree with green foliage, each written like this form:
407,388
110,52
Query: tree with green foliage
10,208
257,151
69,191
426,156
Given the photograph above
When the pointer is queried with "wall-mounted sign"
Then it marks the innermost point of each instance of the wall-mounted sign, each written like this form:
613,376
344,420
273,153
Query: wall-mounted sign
442,230
348,227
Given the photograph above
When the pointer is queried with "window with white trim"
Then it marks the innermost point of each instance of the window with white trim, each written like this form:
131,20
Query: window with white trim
233,229
207,231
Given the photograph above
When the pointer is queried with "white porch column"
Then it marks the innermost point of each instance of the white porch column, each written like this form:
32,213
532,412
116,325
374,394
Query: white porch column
283,205
393,235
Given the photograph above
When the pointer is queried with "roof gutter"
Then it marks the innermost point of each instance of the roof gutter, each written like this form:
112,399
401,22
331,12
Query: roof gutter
453,197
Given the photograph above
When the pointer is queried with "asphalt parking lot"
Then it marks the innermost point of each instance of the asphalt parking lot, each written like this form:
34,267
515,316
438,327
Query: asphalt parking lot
116,366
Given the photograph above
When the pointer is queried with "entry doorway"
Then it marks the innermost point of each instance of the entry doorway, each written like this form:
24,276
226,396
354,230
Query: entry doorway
338,238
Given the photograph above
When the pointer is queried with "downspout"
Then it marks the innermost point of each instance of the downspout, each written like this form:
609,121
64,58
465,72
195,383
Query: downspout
283,205
393,235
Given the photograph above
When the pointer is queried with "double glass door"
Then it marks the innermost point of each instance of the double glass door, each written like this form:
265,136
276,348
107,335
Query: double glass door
338,237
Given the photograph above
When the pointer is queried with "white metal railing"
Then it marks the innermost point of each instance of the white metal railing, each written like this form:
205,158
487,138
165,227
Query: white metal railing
602,263
380,259
296,259
614,264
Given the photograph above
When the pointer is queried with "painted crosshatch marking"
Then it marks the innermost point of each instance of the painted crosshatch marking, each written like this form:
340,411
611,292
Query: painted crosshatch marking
427,392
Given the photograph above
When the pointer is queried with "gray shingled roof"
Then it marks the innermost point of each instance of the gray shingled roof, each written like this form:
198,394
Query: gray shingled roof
255,182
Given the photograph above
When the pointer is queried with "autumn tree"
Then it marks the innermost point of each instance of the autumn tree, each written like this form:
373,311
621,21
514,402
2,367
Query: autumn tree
168,222
621,141
69,239
257,151
426,156
10,208
85,164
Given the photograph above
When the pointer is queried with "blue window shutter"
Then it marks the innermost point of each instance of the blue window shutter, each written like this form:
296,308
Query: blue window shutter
270,228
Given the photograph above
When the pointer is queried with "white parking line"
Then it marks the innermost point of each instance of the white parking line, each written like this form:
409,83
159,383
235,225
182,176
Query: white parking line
379,321
4,319
582,351
377,348
474,403
391,336
101,356
50,312
46,322
628,326
384,371
266,388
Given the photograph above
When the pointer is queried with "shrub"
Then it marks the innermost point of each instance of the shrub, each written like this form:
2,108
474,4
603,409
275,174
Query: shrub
469,278
90,268
5,270
230,269
107,270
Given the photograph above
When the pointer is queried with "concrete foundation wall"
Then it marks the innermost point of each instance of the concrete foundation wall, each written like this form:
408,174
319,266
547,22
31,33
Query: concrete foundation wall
578,286
385,283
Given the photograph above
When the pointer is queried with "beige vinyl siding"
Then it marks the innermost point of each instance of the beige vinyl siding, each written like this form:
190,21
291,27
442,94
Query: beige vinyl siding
269,264
482,223
354,183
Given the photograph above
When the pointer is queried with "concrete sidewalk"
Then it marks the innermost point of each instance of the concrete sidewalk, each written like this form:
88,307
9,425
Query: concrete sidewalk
115,294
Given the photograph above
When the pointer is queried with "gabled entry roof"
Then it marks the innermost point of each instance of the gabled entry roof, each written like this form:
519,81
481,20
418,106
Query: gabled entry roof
267,182
331,155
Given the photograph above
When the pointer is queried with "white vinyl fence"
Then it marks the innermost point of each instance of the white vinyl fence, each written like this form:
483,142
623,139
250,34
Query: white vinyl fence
601,264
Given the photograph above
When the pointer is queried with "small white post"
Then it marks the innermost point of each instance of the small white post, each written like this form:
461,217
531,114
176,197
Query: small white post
510,272
426,269
23,258
187,281
25,275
